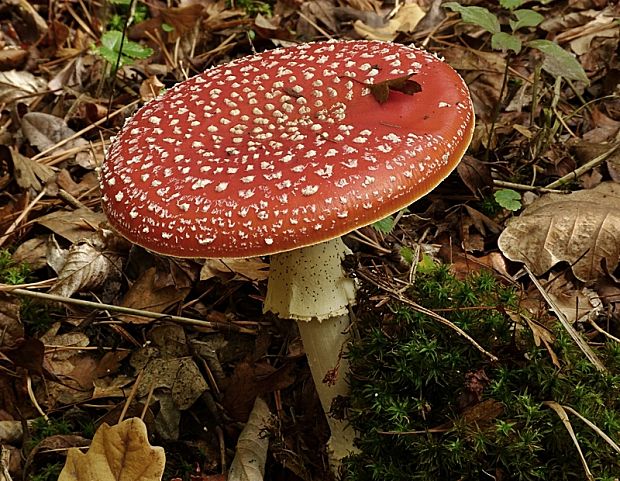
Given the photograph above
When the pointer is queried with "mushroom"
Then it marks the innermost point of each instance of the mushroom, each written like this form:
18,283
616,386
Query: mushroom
281,153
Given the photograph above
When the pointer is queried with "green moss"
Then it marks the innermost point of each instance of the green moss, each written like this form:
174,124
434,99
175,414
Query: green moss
430,406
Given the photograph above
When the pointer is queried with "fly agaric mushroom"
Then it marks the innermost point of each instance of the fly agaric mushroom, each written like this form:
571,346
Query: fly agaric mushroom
281,153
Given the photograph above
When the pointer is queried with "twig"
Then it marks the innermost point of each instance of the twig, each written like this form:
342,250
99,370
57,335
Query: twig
564,418
512,185
33,398
602,331
583,345
132,394
578,172
127,310
21,217
84,130
595,428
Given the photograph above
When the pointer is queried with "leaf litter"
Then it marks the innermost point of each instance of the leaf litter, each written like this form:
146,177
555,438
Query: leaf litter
195,386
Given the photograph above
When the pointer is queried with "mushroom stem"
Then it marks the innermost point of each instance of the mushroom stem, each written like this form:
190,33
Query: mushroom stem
310,286
325,344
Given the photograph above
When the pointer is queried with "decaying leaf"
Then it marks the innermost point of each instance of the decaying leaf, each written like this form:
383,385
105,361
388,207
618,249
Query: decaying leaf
20,85
253,269
73,225
10,324
44,131
117,453
252,445
153,291
405,20
581,228
88,265
30,173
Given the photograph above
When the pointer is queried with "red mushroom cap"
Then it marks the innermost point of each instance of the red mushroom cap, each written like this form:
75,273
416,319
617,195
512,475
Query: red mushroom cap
284,149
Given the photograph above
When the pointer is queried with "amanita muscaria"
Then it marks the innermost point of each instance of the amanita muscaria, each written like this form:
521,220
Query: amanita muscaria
281,153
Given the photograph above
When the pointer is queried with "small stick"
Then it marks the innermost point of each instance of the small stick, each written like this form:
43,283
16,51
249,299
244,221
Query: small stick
578,172
21,217
126,310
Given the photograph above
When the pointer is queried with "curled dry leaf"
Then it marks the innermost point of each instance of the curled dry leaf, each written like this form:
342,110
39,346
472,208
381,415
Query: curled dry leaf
581,228
30,173
89,264
249,461
120,452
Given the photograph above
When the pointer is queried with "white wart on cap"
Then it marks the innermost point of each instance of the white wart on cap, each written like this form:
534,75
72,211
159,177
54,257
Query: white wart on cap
284,149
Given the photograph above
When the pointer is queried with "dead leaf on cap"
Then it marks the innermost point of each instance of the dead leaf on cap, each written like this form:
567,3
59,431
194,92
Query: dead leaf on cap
581,228
118,452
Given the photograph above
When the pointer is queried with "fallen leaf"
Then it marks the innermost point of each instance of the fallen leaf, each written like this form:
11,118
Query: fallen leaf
153,291
30,173
10,324
32,252
252,445
405,20
581,228
88,265
45,131
117,453
253,269
476,175
250,380
20,85
73,225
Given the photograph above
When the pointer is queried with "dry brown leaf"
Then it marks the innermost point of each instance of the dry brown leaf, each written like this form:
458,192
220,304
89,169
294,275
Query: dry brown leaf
88,265
405,20
20,85
253,269
30,173
181,375
153,291
10,324
45,130
32,252
73,225
252,445
117,453
581,228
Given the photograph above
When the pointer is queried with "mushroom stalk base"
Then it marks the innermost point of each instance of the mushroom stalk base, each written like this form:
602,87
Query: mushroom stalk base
310,286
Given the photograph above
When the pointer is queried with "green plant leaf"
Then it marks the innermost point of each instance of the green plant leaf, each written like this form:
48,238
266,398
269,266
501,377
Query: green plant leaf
385,225
166,27
111,46
508,199
510,4
505,41
525,18
558,62
477,16
121,2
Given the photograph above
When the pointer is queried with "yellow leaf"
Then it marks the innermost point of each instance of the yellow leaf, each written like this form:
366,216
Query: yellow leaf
117,453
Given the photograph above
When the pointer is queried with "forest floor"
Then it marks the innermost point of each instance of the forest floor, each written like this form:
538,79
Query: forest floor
544,82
